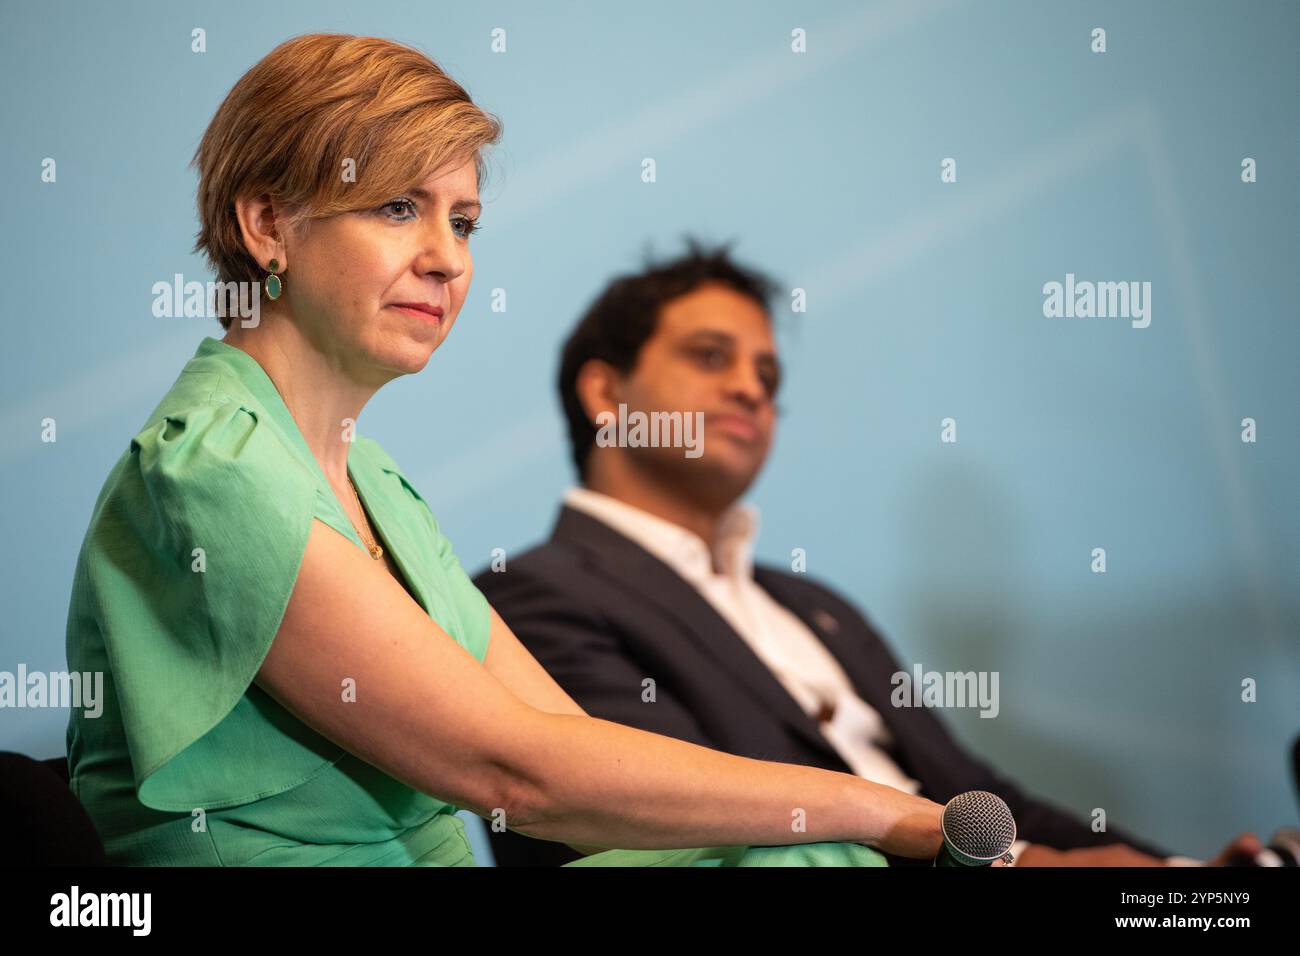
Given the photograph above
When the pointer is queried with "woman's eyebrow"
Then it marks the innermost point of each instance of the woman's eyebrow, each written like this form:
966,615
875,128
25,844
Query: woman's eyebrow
423,193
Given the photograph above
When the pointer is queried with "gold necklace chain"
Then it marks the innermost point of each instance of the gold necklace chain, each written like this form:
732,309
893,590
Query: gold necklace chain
375,550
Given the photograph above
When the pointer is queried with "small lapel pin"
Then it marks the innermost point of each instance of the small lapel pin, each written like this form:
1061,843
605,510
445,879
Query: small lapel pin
826,621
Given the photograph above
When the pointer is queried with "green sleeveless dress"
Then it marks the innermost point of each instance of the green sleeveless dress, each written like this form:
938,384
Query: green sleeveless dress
192,551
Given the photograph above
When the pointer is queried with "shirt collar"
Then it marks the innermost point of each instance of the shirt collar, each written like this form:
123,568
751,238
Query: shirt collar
682,550
250,375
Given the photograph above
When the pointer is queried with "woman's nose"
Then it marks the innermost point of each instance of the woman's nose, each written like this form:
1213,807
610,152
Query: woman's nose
442,254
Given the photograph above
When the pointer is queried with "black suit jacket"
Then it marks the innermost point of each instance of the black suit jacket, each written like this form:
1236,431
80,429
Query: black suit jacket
602,614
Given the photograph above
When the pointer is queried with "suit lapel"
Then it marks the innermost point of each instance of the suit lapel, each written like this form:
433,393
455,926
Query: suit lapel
645,578
849,649
866,661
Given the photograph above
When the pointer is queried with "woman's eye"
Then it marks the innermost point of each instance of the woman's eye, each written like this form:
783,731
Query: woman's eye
711,357
470,226
403,204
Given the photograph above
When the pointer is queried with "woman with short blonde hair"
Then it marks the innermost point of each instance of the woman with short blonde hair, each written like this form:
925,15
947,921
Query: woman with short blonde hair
299,671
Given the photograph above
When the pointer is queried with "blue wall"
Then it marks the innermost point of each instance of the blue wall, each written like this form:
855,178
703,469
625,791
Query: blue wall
1119,690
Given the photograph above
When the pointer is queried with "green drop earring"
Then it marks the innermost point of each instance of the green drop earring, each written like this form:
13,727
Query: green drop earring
273,284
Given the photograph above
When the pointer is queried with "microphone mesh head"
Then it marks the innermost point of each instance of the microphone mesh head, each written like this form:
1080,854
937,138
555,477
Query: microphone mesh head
979,824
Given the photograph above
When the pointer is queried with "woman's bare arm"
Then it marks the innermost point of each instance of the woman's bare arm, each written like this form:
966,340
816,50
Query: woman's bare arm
429,714
511,663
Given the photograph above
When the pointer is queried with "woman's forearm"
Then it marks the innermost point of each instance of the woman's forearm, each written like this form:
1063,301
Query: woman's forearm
592,782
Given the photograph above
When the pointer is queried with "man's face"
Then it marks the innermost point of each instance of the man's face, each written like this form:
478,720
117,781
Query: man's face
712,351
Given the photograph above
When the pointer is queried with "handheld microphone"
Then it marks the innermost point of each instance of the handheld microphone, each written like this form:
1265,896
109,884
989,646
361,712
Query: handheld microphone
978,828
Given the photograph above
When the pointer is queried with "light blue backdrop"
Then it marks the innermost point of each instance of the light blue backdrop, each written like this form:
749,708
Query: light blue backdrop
925,300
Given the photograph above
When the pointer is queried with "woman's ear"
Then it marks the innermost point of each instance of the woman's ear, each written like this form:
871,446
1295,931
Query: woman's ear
599,387
261,233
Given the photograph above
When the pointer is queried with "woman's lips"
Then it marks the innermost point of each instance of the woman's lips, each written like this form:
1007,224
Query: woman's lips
420,311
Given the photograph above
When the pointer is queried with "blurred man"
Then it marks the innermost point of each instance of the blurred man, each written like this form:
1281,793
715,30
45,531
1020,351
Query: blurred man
644,604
